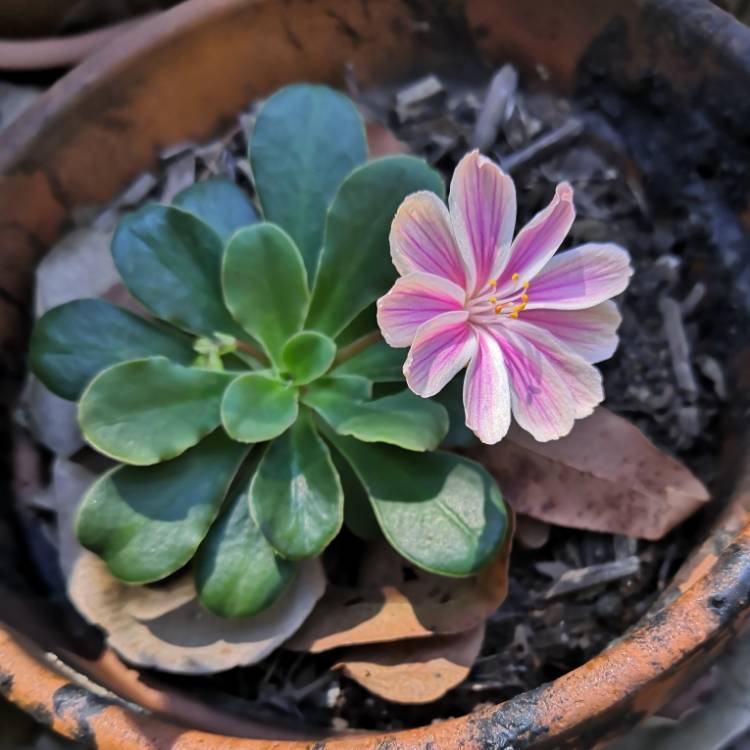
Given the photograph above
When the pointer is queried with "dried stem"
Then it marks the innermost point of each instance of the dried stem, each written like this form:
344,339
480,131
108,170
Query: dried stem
357,346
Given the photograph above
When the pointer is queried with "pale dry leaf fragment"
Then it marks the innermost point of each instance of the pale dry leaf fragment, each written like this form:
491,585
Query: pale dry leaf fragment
606,476
165,627
414,671
395,601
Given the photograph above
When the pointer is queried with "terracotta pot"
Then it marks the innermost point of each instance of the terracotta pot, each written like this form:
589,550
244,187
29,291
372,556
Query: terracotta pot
187,73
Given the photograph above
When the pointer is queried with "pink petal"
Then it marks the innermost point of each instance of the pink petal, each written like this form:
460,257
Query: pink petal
540,239
413,300
421,239
540,399
441,348
576,387
591,333
483,213
581,278
486,391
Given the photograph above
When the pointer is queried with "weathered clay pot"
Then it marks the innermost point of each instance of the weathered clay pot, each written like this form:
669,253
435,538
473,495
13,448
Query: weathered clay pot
188,72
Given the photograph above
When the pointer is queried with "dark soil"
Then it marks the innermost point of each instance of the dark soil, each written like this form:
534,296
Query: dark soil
680,290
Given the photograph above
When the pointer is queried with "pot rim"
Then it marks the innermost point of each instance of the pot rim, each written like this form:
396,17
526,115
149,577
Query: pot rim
639,670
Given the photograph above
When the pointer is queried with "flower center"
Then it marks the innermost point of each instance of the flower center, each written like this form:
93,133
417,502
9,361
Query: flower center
486,304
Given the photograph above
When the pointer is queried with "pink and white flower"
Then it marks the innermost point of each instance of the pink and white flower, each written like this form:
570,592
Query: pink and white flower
528,323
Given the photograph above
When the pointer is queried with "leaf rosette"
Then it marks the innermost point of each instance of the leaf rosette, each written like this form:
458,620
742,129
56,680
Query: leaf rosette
255,411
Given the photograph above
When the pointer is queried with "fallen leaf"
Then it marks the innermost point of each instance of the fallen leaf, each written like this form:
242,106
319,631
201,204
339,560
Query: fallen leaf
382,142
414,671
604,476
163,628
530,532
395,601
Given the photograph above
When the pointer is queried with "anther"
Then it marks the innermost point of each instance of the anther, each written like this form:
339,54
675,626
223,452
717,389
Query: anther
525,285
499,309
515,277
493,300
493,283
524,298
514,314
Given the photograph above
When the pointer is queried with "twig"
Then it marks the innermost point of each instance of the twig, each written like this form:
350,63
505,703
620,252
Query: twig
543,146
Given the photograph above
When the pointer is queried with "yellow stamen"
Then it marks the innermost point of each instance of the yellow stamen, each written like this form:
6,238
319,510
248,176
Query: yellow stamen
525,285
514,314
493,300
499,309
524,298
515,277
493,283
518,308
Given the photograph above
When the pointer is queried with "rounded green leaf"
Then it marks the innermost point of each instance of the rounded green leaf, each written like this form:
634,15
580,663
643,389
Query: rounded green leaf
147,522
171,261
221,203
359,516
378,363
295,495
73,342
237,572
355,265
265,285
258,407
306,139
307,356
150,410
439,510
402,419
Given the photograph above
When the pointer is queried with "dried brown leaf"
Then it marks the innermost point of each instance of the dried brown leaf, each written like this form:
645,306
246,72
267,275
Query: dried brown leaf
164,628
414,671
382,141
606,475
395,601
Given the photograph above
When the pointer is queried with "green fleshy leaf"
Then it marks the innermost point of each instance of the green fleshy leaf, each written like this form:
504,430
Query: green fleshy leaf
265,285
403,419
147,522
379,363
295,495
307,356
171,261
355,265
347,387
359,516
439,510
451,397
237,572
150,410
257,407
221,203
73,342
305,141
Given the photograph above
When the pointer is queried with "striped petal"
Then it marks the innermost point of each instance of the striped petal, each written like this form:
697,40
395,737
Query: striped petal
539,240
421,239
581,278
441,348
551,386
483,213
486,391
590,333
413,300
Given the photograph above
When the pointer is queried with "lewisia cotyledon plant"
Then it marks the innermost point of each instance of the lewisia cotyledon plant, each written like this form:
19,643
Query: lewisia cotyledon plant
529,323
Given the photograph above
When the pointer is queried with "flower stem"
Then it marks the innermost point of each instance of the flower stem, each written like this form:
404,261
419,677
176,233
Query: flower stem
252,351
357,346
